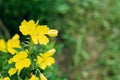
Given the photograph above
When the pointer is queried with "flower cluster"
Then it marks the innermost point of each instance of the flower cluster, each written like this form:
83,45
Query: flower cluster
37,32
30,60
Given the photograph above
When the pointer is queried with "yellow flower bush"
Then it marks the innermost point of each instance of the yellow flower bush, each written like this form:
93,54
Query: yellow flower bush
27,60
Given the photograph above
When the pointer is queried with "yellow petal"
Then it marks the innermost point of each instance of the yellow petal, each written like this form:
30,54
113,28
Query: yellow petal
49,53
13,43
53,32
19,67
26,62
21,64
6,78
2,45
10,61
34,78
38,35
42,77
46,62
19,56
12,71
49,61
42,29
43,40
27,27
39,60
35,37
43,66
16,36
11,50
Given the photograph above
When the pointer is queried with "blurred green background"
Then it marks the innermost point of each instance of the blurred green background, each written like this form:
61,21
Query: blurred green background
88,45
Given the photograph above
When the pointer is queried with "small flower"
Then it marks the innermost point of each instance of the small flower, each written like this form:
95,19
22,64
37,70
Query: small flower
34,78
42,77
21,61
13,43
10,45
45,59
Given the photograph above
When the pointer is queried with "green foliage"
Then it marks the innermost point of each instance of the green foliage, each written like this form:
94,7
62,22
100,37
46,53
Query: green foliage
89,33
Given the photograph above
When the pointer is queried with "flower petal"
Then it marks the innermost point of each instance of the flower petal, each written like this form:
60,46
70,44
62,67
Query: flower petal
2,45
42,77
53,32
13,43
49,53
12,71
27,27
43,40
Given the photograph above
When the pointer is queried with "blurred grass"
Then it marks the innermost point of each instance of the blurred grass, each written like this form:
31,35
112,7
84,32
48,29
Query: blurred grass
88,44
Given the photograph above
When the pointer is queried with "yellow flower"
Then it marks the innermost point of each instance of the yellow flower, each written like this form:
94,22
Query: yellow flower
27,27
2,45
53,32
37,32
12,71
10,45
42,77
21,61
6,78
45,59
34,78
13,43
